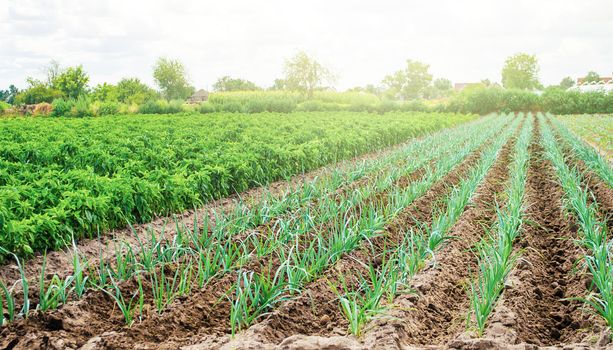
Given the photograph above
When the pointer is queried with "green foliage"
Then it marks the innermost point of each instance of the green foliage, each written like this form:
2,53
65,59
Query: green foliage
440,88
592,77
521,71
133,91
574,102
227,83
477,99
346,98
4,106
9,95
37,92
171,77
72,82
206,107
567,83
62,107
161,107
410,82
74,177
108,108
305,74
105,93
81,108
255,101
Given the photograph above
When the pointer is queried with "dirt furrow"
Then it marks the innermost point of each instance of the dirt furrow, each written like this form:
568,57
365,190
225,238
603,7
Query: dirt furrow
59,262
537,307
437,311
316,311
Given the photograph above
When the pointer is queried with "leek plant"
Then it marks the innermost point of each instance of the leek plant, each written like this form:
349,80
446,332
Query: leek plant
361,304
496,255
6,297
593,231
594,160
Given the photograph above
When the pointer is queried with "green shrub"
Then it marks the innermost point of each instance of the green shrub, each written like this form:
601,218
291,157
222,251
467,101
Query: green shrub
413,106
81,108
62,107
206,107
386,106
151,107
319,106
347,97
255,101
519,101
4,106
174,106
108,108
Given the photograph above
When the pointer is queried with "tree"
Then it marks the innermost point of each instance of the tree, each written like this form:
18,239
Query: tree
567,83
104,92
441,87
227,83
305,74
410,82
8,95
37,92
279,84
592,77
171,77
72,81
521,71
132,90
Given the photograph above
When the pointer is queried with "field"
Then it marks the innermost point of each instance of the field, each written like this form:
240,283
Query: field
469,233
595,129
62,179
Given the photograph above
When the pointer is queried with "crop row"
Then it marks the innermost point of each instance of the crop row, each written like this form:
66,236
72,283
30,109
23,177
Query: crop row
362,302
496,253
596,129
594,160
598,248
197,256
64,179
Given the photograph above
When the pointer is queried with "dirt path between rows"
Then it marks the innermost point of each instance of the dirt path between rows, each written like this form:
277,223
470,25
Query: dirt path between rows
96,322
59,262
316,312
536,308
437,311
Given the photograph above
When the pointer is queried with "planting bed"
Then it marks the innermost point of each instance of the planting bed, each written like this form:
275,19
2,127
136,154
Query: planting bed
492,234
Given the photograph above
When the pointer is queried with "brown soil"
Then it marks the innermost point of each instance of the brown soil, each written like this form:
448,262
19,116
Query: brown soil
59,262
535,306
316,312
438,308
100,322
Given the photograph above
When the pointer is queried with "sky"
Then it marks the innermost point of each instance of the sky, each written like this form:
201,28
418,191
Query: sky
360,41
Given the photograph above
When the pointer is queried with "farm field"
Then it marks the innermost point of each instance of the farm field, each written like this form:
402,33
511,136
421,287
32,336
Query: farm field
470,233
595,129
62,179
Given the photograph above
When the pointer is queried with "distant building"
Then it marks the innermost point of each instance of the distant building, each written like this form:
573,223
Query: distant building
198,97
605,84
603,80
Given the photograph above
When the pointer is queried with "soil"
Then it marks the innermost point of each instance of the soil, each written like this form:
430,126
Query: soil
60,263
536,305
316,313
534,311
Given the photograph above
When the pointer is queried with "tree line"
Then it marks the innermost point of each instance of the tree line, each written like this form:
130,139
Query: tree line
302,73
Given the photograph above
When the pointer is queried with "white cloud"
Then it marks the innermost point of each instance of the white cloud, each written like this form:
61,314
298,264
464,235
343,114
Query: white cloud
361,41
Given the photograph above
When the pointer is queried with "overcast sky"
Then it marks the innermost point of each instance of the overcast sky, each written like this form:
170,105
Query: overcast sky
361,41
